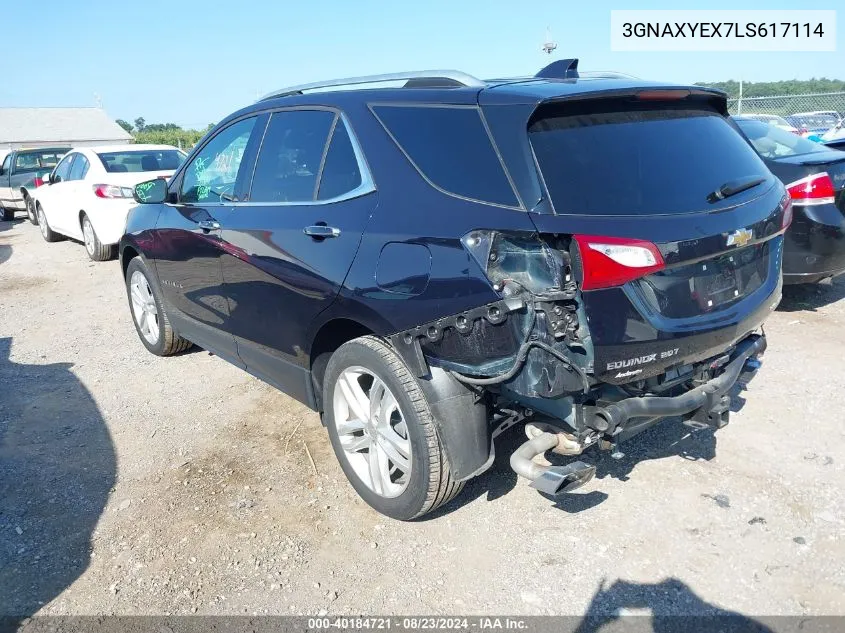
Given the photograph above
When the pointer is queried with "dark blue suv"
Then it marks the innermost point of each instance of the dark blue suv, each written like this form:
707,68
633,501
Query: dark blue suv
428,259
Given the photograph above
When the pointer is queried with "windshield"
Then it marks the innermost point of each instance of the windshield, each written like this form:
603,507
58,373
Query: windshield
773,142
143,160
640,162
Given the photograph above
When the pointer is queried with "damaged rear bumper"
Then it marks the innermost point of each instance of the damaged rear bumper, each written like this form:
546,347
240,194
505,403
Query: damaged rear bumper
705,405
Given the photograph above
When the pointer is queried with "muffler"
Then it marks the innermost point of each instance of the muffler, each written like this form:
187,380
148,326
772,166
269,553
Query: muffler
552,480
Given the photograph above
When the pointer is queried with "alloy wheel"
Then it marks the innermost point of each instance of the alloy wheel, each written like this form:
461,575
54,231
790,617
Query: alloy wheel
42,222
372,431
88,236
144,309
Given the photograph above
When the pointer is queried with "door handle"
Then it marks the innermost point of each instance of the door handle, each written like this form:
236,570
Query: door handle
208,225
321,231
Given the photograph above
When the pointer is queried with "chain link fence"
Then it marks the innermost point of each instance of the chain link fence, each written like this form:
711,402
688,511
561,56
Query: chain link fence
790,104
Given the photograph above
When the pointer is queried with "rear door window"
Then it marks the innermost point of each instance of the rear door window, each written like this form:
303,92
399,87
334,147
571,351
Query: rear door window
291,154
79,169
603,158
341,172
450,147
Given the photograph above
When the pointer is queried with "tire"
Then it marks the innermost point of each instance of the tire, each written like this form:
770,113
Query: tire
161,340
96,250
372,363
46,232
30,210
8,214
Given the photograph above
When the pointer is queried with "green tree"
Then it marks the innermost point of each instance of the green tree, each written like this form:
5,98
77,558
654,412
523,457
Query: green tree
140,123
125,125
777,88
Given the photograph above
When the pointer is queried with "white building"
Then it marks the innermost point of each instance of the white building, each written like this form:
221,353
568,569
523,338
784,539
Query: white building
45,127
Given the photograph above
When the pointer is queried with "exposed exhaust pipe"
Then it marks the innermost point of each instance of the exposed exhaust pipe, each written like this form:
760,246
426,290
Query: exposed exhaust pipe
552,480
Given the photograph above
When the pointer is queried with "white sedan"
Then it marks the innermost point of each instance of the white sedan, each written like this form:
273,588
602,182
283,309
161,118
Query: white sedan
89,194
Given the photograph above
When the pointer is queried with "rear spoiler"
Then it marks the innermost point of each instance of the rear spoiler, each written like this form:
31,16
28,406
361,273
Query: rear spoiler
717,99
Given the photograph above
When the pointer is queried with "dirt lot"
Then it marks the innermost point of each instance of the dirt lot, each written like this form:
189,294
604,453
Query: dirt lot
133,484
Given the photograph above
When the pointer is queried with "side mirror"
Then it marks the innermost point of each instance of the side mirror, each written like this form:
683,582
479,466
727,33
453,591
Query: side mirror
151,191
53,178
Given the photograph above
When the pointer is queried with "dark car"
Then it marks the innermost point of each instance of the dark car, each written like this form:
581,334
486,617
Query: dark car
429,264
21,172
814,175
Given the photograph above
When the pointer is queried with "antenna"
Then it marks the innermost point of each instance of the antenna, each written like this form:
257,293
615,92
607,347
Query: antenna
549,45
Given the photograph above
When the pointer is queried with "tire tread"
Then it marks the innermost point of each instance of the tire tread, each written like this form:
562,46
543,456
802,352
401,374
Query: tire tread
442,488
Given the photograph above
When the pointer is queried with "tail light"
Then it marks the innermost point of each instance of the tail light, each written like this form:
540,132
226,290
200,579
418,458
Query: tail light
812,190
38,181
613,261
112,191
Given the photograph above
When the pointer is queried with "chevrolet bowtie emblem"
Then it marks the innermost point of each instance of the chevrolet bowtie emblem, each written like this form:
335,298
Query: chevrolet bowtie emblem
740,237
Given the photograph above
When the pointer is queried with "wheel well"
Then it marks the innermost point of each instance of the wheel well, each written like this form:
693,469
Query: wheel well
81,213
126,256
331,336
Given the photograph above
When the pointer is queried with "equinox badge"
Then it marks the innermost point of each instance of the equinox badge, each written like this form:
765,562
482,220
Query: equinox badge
740,237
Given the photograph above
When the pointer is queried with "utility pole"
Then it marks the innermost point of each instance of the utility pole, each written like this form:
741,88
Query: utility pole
739,101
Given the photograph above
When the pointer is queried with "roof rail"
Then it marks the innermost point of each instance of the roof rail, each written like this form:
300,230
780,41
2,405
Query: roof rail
418,78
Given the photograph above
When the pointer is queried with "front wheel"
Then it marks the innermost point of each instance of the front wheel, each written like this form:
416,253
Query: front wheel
148,312
383,432
8,214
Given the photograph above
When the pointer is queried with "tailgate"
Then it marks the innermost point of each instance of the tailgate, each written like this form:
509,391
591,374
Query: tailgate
677,175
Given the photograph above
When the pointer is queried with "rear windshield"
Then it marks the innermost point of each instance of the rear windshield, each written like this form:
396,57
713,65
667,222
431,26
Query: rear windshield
34,161
146,160
604,160
773,142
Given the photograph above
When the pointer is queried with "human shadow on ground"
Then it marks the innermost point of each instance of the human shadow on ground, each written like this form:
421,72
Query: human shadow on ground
673,606
57,467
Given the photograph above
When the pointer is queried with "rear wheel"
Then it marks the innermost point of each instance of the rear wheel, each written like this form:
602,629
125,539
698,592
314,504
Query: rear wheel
148,312
8,214
30,210
46,232
97,251
383,432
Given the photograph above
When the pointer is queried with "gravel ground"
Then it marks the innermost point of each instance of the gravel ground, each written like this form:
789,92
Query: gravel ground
131,484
